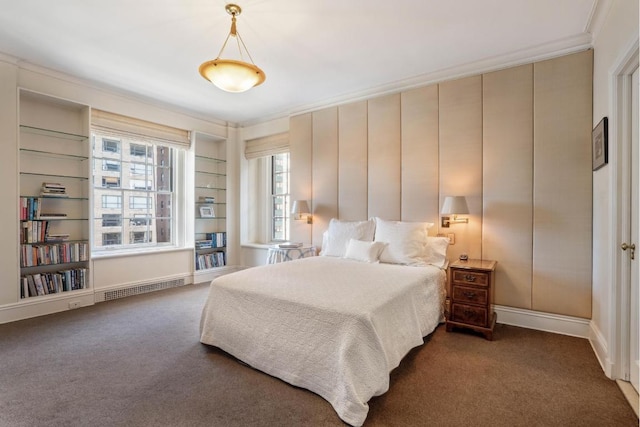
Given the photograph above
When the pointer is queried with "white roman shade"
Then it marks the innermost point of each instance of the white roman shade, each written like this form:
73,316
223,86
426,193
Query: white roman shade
267,146
118,126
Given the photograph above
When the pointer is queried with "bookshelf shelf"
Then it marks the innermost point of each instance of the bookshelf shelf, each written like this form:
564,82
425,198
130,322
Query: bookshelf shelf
210,188
53,204
56,155
210,159
211,173
51,133
52,175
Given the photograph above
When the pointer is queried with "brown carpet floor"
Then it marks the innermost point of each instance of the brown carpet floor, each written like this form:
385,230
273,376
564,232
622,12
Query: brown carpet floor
138,362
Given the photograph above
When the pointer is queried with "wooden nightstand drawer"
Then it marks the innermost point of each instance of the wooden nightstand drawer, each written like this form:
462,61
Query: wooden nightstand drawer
470,314
466,277
468,294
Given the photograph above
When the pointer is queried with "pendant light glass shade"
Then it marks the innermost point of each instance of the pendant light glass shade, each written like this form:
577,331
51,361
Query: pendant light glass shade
229,74
232,76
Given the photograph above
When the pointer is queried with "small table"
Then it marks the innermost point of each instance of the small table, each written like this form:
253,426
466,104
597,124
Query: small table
278,254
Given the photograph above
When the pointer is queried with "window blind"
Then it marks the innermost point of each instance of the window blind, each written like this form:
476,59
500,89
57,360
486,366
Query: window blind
267,146
118,126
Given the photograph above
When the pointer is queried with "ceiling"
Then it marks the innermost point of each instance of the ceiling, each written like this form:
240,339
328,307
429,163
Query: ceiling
314,52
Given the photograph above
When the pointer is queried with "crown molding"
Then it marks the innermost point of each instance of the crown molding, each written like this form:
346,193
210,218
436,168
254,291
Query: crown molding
598,16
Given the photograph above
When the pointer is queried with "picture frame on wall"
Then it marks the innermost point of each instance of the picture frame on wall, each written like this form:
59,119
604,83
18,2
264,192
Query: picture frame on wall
600,144
206,212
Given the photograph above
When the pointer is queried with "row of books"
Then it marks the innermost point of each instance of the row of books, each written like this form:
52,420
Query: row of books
206,261
37,231
31,209
34,231
218,240
33,285
58,253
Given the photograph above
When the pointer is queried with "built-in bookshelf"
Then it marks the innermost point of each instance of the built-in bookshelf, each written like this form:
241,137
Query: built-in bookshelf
54,196
210,222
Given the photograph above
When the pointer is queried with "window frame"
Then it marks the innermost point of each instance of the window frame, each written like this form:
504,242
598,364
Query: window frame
286,216
162,183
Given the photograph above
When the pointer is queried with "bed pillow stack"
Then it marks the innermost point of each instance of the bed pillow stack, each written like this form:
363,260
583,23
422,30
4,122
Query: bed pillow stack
379,240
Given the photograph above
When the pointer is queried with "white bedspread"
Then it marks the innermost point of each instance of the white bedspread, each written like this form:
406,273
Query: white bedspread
333,326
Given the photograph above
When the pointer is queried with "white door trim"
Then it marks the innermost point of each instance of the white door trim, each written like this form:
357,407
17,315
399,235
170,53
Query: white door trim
620,152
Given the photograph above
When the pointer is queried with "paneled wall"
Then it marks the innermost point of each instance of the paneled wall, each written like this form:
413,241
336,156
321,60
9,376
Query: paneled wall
515,142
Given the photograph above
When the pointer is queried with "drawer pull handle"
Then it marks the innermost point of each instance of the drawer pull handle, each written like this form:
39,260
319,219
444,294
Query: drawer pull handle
469,278
470,295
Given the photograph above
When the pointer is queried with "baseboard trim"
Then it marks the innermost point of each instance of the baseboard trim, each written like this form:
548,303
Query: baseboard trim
548,322
41,306
601,349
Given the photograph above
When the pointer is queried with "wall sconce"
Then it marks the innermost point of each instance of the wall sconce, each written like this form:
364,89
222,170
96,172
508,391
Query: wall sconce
300,210
454,205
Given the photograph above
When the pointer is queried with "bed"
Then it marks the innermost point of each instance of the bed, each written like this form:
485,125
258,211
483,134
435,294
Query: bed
335,325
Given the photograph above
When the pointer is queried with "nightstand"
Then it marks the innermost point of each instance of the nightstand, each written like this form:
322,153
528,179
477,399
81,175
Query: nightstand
470,295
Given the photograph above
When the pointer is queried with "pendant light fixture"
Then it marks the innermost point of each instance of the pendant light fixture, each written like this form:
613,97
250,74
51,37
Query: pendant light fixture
228,74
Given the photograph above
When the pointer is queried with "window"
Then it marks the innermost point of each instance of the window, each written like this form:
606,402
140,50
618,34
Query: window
140,169
140,184
111,220
280,197
147,188
110,182
110,165
139,202
109,239
140,150
110,146
140,219
140,236
111,202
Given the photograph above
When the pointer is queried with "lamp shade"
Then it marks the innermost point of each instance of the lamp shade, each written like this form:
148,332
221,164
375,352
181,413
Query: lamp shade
232,76
454,205
300,207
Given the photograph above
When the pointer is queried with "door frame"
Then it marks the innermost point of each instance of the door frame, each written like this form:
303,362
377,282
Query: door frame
620,150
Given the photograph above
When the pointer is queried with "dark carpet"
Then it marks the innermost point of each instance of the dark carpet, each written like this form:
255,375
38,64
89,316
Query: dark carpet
138,362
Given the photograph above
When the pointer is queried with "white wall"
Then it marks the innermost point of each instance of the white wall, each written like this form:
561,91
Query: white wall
612,40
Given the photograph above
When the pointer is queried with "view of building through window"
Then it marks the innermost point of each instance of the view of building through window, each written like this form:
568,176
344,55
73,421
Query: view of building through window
280,197
132,191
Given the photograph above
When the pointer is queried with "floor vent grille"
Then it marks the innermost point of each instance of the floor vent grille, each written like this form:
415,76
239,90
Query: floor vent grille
137,290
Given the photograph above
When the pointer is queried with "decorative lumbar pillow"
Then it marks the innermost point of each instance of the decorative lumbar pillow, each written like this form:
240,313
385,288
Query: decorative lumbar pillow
364,251
436,251
340,232
406,241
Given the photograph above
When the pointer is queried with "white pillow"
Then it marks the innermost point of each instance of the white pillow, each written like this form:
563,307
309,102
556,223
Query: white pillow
364,251
436,251
340,232
406,241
